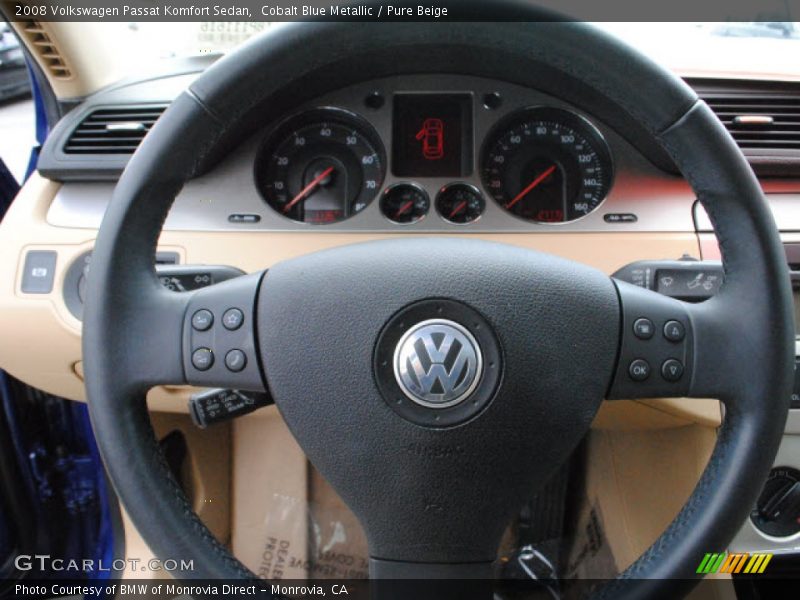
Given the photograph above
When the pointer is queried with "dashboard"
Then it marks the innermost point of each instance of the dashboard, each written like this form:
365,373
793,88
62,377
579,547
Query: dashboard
407,155
421,154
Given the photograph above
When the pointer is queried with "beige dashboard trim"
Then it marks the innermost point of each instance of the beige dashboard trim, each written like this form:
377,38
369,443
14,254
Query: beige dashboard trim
76,43
639,480
42,339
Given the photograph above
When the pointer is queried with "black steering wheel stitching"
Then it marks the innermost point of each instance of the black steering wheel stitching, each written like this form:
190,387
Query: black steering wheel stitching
741,341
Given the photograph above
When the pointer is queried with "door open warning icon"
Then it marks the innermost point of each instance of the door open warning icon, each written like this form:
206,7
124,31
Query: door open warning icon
432,137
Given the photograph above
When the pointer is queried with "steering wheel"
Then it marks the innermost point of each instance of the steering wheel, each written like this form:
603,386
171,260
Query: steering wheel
435,471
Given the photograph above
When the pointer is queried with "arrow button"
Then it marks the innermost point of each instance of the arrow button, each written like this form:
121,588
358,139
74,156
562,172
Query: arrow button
672,370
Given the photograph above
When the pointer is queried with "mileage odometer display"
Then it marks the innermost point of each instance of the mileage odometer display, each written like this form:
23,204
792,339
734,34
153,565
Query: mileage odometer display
322,166
546,165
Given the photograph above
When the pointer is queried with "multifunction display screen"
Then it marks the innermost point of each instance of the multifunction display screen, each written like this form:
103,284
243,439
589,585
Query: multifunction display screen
432,135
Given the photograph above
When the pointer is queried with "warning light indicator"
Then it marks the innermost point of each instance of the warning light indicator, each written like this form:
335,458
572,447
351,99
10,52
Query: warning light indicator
432,137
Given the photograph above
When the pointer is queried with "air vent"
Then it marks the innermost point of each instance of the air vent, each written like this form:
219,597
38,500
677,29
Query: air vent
115,130
44,46
760,122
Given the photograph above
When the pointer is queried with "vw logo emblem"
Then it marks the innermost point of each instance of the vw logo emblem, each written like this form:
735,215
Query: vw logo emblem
437,363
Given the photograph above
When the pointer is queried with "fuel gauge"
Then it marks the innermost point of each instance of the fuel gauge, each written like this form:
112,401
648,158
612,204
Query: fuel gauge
405,203
460,203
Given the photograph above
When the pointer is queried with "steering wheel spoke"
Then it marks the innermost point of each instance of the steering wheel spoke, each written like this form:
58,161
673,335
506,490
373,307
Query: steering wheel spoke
204,338
153,322
656,352
670,348
722,339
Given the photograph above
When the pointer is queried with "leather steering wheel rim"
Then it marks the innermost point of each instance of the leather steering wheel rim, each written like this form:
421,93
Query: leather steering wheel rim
744,336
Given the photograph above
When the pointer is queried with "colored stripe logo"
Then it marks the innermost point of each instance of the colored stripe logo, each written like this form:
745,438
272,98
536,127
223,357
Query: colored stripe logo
734,563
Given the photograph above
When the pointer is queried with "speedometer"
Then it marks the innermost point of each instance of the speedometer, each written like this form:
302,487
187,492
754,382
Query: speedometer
321,166
546,165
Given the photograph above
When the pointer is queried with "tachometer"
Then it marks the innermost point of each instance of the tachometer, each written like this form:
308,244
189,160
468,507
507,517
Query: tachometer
321,166
546,165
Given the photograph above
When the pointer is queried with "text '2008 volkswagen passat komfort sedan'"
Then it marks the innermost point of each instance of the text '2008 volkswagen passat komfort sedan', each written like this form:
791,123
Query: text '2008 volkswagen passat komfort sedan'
430,307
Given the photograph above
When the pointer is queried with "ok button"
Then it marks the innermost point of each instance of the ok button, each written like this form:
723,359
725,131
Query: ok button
639,369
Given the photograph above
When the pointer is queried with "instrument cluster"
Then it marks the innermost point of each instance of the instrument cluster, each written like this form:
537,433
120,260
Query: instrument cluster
541,164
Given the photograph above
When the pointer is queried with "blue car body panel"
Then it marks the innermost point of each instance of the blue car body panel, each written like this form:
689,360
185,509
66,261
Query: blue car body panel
61,469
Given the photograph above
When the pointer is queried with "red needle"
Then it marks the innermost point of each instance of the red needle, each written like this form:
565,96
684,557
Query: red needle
405,207
531,185
308,189
459,207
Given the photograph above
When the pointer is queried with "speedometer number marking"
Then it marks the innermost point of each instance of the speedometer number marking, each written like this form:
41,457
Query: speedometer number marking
546,165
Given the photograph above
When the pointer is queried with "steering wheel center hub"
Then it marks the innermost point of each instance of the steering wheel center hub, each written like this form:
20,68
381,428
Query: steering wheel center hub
436,367
437,362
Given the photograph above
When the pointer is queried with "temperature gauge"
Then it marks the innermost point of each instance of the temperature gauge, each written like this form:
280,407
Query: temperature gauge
405,203
460,203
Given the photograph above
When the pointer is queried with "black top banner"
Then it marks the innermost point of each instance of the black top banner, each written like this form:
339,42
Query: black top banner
400,10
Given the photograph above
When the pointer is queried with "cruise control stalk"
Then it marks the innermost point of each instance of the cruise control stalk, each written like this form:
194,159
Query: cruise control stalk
218,405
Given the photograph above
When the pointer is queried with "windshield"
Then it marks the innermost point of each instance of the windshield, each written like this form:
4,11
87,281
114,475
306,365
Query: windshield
734,49
731,49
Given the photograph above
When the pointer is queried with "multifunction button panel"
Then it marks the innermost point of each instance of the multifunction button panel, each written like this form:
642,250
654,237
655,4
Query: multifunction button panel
219,341
656,346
